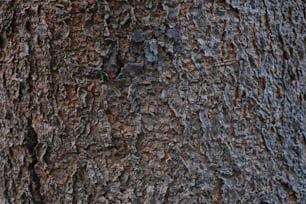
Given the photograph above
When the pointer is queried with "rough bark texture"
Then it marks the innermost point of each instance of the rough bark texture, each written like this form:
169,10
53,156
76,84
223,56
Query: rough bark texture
152,101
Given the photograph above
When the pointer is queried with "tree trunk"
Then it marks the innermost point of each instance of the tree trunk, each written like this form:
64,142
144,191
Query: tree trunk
152,101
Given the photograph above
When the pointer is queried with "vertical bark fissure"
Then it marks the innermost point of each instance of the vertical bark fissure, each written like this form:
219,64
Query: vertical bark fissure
6,176
30,142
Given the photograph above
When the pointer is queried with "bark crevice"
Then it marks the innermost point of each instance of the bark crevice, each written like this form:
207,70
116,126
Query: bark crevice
30,142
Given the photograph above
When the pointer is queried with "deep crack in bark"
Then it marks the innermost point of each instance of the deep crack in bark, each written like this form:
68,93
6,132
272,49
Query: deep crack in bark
30,143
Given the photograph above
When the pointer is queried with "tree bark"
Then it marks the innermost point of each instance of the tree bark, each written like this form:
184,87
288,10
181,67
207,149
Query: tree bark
152,101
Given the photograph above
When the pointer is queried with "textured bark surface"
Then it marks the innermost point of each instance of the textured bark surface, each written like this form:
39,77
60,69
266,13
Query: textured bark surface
152,101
